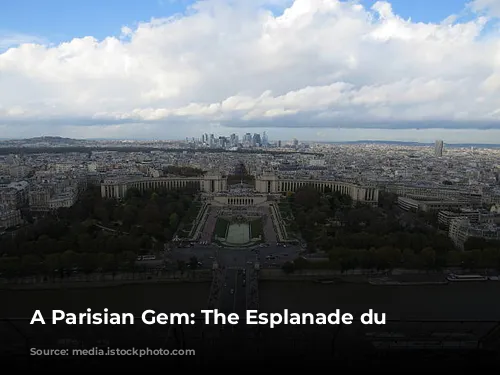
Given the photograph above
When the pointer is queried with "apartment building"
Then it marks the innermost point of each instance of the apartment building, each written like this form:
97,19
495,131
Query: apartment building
427,205
461,229
14,195
10,218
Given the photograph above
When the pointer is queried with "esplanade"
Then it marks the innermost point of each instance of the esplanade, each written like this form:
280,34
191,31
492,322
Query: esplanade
216,183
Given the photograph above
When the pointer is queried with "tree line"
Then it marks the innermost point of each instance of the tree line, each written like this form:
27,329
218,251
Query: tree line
384,237
97,234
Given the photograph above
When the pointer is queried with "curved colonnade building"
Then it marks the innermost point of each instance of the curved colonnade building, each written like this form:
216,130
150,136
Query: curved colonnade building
267,183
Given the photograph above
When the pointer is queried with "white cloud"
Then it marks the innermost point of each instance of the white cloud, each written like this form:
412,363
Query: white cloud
491,7
323,63
8,40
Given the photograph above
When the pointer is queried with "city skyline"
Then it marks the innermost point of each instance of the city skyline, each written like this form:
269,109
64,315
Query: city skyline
271,141
380,71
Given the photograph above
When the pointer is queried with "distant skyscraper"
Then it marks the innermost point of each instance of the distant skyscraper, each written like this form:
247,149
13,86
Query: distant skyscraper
295,142
438,148
256,140
233,140
223,142
279,143
265,140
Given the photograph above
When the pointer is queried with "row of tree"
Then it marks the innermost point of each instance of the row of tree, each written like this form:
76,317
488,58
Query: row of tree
182,171
68,263
97,233
330,220
383,237
389,258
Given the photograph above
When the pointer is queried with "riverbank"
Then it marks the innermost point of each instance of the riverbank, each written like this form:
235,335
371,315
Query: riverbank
411,278
104,281
357,276
188,297
454,301
97,284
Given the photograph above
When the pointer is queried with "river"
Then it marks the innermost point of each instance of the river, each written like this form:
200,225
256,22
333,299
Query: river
453,301
178,297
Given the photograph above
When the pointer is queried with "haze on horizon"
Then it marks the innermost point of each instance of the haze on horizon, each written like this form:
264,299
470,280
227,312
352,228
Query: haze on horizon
312,69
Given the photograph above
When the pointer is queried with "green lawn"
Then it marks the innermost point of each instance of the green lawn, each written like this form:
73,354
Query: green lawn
256,228
221,227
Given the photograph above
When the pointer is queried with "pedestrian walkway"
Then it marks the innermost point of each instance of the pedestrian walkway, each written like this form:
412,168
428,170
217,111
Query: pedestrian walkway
269,232
209,228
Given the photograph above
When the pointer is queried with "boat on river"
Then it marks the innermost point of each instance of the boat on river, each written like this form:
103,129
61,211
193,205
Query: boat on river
389,282
466,278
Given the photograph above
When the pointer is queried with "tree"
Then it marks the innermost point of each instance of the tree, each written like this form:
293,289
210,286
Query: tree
428,257
387,257
146,242
408,258
10,266
106,262
288,267
128,259
69,259
52,263
387,200
490,257
454,258
307,197
181,266
193,263
89,262
174,221
150,214
476,256
300,263
475,243
30,264
365,259
101,214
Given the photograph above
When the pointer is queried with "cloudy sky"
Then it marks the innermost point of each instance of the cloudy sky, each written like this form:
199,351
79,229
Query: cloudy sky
312,69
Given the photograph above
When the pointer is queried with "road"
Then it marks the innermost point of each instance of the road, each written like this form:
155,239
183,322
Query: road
233,300
236,257
209,226
238,266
